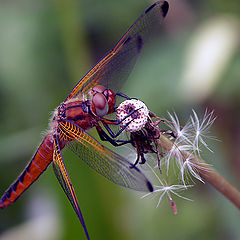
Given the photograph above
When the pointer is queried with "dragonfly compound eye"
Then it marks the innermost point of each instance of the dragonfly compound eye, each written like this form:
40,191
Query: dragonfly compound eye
98,88
133,113
100,104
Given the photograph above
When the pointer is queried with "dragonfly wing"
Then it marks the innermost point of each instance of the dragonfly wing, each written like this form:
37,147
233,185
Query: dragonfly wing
118,63
64,180
109,164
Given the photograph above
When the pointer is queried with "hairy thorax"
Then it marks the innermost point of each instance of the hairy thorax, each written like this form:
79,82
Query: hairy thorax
76,111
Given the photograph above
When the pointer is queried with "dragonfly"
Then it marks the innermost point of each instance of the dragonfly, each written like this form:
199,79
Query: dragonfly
86,107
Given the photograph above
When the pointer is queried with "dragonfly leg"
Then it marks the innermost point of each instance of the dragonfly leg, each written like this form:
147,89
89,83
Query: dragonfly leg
117,122
105,137
122,95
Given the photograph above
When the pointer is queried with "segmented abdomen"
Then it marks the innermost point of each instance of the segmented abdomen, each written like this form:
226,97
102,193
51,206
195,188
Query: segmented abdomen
42,158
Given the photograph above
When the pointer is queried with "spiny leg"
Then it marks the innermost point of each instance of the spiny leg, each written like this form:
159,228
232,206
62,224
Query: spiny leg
105,137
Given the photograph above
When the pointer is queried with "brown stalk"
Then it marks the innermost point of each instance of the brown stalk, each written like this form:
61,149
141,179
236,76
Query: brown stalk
208,173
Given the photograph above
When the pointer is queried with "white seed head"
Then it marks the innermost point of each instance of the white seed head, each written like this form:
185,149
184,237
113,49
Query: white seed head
137,119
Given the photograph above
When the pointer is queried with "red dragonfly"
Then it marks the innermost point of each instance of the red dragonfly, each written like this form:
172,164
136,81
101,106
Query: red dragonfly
83,109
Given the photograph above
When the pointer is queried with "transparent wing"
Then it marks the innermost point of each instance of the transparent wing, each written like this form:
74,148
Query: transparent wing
118,63
64,180
109,164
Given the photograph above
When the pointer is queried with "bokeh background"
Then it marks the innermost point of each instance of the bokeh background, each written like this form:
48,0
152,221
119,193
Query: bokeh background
46,47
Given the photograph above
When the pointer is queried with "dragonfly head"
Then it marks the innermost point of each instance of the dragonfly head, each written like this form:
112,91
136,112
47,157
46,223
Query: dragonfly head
103,100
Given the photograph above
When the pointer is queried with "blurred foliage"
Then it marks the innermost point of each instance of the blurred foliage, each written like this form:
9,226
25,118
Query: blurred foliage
46,46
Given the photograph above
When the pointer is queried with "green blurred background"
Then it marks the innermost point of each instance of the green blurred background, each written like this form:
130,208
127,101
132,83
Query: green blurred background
46,47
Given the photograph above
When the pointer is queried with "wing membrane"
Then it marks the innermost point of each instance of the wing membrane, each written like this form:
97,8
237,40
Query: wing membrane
118,63
64,180
109,164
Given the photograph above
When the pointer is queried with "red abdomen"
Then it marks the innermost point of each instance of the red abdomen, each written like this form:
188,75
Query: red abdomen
42,158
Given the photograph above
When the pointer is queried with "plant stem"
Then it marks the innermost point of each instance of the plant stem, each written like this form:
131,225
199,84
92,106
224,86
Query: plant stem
73,36
208,173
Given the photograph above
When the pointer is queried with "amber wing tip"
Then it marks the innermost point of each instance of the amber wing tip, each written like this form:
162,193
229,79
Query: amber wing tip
150,186
162,4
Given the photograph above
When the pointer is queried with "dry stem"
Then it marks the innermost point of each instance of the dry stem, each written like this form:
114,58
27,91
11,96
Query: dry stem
208,174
